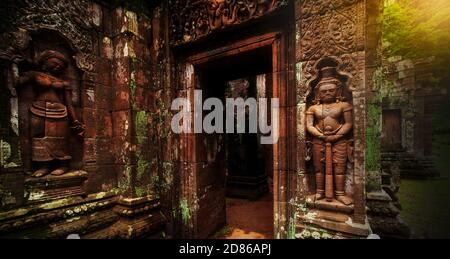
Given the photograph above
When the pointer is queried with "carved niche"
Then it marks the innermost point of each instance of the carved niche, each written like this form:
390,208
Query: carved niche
30,29
39,26
48,86
193,19
330,132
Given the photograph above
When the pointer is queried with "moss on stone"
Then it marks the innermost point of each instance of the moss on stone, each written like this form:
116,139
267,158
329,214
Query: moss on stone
167,176
373,135
142,191
185,211
133,83
125,181
142,169
292,228
141,124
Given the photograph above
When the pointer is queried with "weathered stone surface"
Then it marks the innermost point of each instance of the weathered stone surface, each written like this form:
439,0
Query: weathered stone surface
130,66
330,29
384,217
55,187
194,20
58,16
28,221
342,30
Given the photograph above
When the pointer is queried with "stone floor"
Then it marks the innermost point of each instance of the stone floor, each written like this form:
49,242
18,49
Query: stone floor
426,208
425,203
248,219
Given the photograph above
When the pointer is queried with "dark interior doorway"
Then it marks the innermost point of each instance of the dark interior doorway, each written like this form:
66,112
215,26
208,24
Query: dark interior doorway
246,173
391,139
205,180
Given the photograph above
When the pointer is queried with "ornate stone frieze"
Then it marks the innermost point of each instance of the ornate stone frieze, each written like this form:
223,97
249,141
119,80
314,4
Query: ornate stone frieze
330,28
193,19
70,18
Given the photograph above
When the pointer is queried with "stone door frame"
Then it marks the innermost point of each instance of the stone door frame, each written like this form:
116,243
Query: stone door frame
284,179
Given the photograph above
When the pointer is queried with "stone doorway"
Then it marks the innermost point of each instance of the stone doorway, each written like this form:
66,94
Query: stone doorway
207,176
246,163
392,130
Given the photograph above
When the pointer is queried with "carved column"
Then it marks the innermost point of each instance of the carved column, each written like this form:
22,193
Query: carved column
333,29
136,157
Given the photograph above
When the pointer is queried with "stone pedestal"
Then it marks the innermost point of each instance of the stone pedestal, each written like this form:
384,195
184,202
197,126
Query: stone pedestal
384,217
333,216
55,187
139,218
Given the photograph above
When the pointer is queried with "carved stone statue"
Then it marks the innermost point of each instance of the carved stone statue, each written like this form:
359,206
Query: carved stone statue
329,121
215,10
50,113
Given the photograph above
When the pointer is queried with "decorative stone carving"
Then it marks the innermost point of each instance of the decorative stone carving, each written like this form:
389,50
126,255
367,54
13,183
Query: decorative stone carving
50,111
193,19
330,123
330,28
347,63
85,62
311,8
71,18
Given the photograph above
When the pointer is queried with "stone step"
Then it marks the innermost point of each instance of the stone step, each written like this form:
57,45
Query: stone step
408,165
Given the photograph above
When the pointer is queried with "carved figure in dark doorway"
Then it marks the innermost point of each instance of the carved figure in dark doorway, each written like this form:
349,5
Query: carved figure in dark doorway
329,121
50,114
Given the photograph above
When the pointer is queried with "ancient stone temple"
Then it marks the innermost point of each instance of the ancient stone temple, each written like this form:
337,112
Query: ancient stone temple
86,93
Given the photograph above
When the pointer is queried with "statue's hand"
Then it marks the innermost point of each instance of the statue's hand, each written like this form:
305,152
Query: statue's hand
79,128
322,137
332,138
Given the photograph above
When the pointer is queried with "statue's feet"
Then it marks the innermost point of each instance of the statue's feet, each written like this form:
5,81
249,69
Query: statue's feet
320,196
60,171
41,173
345,200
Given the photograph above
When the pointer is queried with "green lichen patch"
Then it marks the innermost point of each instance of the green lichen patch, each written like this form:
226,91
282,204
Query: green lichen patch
141,121
373,136
167,176
185,211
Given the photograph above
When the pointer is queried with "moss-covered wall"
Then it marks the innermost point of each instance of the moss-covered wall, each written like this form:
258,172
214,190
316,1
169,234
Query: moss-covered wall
111,45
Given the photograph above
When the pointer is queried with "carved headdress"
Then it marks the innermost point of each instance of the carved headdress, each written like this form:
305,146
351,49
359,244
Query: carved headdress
327,72
48,54
329,76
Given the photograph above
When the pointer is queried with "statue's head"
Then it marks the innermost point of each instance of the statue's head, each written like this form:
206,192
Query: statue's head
329,88
53,62
215,3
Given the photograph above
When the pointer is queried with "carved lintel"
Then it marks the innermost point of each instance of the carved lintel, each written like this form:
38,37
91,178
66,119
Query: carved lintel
192,20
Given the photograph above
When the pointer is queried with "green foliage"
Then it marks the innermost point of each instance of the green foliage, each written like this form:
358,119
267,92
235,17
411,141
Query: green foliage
398,30
415,29
418,29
